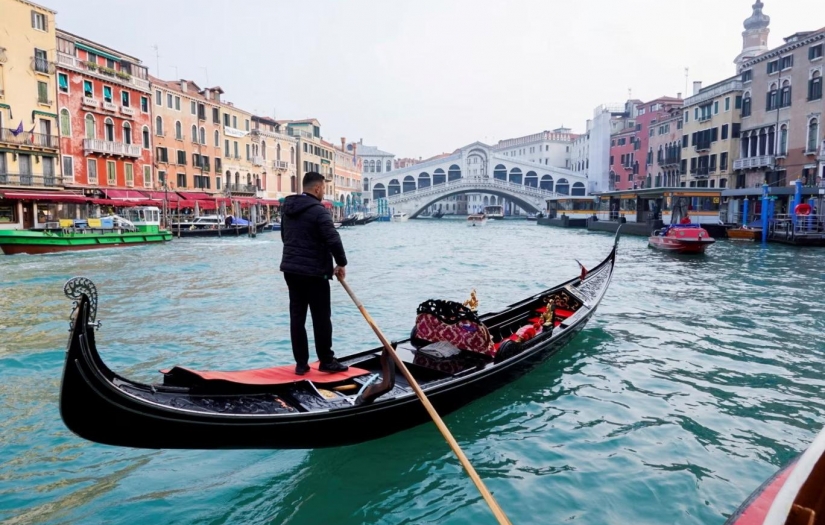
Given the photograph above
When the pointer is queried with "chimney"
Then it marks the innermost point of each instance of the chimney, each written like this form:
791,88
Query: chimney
697,86
679,95
183,85
343,143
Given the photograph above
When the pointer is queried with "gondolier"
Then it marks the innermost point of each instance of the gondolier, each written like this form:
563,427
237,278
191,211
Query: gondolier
310,245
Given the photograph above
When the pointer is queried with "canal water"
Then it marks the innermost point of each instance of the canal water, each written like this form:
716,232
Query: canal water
696,379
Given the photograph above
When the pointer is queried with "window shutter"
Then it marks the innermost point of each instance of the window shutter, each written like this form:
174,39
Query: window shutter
714,134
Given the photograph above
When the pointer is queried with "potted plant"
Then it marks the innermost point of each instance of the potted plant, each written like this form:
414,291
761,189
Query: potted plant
91,65
107,71
123,75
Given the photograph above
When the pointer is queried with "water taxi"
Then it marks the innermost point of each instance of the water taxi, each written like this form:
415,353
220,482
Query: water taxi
140,225
478,219
494,212
399,216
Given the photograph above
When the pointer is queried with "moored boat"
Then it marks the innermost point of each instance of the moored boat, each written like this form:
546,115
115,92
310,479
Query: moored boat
681,238
141,225
478,219
744,233
494,212
399,217
794,495
273,408
438,215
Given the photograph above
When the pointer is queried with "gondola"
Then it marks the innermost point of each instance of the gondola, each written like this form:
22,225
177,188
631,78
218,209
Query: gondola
274,409
223,231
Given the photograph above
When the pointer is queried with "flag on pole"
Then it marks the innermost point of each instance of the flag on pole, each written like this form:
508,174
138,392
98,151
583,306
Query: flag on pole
31,135
19,129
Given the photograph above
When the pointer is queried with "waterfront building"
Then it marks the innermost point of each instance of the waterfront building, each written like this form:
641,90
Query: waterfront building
277,151
580,152
648,123
711,123
376,160
625,149
348,166
28,110
242,171
187,136
550,148
607,119
664,154
312,155
782,112
105,111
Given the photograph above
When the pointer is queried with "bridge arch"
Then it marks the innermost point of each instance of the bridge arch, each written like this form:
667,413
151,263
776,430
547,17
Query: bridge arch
394,188
379,192
523,204
409,183
424,180
578,189
454,173
515,176
439,177
546,182
500,172
531,179
563,187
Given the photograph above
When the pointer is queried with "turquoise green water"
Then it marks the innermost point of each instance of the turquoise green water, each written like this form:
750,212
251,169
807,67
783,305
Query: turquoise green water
696,379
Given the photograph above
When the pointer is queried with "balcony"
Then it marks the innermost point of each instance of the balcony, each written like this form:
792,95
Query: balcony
280,164
702,146
242,188
702,172
72,62
751,163
127,110
27,179
257,160
110,148
41,65
705,117
109,106
33,140
90,102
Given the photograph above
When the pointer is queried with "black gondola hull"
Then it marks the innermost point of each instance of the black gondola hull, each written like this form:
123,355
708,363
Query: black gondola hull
100,406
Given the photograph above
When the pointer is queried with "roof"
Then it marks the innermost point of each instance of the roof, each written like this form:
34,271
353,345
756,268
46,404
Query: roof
72,36
266,120
372,151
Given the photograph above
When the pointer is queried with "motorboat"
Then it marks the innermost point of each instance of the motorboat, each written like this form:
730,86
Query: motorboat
477,219
681,238
399,217
494,212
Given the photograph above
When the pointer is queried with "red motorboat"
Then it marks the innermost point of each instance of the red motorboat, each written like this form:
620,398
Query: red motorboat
681,238
793,496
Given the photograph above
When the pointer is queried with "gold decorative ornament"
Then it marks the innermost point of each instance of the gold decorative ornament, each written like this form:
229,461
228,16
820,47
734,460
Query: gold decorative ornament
472,302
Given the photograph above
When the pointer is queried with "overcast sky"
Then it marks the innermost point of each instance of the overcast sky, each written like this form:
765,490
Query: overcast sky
421,77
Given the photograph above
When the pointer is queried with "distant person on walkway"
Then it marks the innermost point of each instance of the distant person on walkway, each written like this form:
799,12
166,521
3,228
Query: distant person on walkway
228,221
310,244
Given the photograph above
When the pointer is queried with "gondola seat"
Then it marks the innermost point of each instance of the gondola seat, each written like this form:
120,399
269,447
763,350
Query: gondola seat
447,321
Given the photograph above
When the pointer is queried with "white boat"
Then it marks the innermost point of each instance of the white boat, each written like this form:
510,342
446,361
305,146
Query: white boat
399,217
478,219
494,212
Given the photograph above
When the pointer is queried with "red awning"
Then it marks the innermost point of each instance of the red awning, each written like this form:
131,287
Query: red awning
327,204
123,202
194,196
124,194
52,197
271,202
160,195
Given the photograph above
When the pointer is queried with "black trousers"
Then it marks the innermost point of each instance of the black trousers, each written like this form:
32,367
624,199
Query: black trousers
312,292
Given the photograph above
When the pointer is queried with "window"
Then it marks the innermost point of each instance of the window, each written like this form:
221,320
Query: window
145,137
130,175
772,98
787,62
727,103
193,107
248,155
725,132
162,154
747,75
203,136
88,89
178,131
217,139
39,21
109,130
225,148
237,155
127,133
216,116
181,157
815,52
159,126
63,82
785,96
111,173
107,94
217,183
218,164
815,86
738,104
68,168
783,140
196,160
124,98
773,66
181,180
43,92
177,103
91,170
147,176
225,119
247,124
813,135
723,161
696,114
234,121
158,98
746,106
194,134
65,123
687,116
169,100
716,107
90,127
144,104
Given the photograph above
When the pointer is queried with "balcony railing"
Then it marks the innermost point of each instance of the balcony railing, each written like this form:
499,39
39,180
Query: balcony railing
702,146
109,106
705,117
762,161
42,65
66,60
111,148
280,164
257,160
127,110
27,179
24,138
242,188
91,102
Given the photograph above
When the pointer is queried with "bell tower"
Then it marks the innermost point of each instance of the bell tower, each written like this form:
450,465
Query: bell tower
755,36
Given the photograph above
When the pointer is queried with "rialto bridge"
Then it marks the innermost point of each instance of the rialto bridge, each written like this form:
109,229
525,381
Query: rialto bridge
475,168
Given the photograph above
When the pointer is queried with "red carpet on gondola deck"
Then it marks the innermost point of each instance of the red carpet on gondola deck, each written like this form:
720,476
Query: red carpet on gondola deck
279,375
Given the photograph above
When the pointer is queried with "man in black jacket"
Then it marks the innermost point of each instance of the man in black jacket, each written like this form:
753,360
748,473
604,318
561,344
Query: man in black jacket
310,244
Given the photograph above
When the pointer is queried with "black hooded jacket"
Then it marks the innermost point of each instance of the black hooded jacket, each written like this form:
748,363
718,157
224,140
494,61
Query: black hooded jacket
310,238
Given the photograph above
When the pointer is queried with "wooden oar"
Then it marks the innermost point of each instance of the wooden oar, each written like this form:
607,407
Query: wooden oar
485,493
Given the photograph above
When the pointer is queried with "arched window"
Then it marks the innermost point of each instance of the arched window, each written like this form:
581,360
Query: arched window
785,98
217,139
389,166
65,123
146,141
127,133
366,184
546,183
563,187
813,135
783,140
203,136
424,180
159,126
178,131
515,176
109,130
454,173
772,97
90,127
746,104
815,86
531,179
292,156
500,172
378,192
277,152
194,134
378,165
409,183
578,187
439,177
394,187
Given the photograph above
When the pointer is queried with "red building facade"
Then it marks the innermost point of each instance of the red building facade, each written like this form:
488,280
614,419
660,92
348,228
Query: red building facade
105,117
626,157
